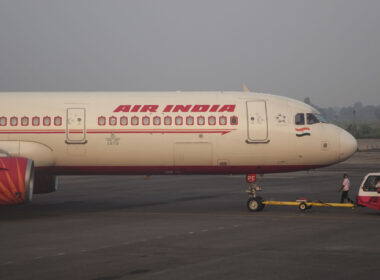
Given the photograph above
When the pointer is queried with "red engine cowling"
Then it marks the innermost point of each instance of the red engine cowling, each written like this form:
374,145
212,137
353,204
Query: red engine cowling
16,180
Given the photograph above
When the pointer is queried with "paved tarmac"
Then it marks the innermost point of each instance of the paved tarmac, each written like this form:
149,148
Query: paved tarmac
192,227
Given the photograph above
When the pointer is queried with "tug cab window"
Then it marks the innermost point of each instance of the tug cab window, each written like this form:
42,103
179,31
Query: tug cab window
300,119
372,184
311,118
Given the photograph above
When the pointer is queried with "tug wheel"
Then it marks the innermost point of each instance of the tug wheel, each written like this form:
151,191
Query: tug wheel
303,206
255,204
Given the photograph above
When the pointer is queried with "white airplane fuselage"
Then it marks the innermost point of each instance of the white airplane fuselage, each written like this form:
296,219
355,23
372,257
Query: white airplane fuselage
131,133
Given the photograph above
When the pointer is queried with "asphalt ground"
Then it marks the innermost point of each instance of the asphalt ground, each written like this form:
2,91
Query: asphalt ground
192,227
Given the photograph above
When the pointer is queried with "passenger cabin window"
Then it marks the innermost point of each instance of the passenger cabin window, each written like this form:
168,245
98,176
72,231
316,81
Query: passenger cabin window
57,121
211,120
113,120
145,120
189,120
300,119
234,120
372,184
36,121
223,120
157,120
201,120
102,120
168,120
135,120
3,121
14,121
311,118
46,121
124,120
24,121
178,120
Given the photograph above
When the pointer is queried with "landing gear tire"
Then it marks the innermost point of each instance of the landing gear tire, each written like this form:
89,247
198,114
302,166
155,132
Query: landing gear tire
255,204
303,206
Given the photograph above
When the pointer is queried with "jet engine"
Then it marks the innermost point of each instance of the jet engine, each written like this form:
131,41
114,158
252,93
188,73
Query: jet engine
45,182
16,180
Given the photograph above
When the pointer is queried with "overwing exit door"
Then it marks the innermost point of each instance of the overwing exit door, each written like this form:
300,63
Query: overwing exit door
76,126
257,121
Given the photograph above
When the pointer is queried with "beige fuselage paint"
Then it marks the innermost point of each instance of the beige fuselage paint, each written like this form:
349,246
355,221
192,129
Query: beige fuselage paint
250,129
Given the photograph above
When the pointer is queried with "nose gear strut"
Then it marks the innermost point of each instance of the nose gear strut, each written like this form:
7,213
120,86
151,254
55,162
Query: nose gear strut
254,203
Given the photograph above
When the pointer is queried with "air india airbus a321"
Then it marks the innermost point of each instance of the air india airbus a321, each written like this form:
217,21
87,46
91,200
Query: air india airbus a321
43,135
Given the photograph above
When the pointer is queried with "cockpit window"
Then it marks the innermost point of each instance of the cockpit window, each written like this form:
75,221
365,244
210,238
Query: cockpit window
372,184
300,119
311,118
321,118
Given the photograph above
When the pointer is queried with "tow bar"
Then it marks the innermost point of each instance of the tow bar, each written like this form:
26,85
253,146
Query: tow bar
304,204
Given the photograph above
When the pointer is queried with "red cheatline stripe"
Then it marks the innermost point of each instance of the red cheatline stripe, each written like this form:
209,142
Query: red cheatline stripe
222,131
302,129
94,131
31,131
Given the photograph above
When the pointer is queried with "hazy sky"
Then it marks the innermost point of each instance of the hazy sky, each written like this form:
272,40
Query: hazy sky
328,50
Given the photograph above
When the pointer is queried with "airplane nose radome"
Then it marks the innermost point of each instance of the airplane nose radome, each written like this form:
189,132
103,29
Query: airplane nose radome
348,145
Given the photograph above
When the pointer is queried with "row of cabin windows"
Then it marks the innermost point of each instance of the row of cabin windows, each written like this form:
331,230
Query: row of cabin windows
189,120
310,118
34,121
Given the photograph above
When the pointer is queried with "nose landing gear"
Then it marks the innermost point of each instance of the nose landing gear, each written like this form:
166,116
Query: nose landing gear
254,203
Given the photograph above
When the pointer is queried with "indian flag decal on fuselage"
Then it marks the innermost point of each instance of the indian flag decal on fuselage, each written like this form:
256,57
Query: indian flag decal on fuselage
304,131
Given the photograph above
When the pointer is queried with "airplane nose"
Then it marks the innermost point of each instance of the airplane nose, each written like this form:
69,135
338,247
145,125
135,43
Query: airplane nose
348,145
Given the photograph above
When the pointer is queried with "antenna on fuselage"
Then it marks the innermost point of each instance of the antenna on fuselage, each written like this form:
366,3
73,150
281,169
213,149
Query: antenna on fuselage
245,89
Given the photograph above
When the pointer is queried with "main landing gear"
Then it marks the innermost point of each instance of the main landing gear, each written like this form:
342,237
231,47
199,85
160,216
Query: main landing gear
254,203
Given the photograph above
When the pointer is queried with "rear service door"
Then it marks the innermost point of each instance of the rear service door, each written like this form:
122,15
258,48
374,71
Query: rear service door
76,126
257,121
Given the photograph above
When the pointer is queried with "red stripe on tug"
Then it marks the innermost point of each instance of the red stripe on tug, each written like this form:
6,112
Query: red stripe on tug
369,201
